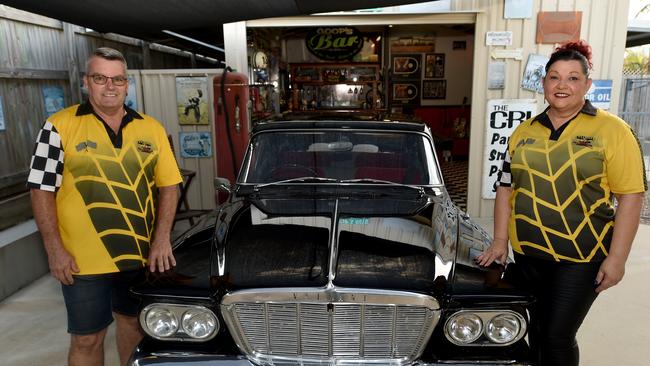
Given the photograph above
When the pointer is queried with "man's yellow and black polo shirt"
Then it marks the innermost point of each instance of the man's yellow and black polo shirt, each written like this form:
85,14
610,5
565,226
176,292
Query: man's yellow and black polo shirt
106,184
563,183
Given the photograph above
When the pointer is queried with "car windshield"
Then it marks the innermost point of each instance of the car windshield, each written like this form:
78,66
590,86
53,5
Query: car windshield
374,157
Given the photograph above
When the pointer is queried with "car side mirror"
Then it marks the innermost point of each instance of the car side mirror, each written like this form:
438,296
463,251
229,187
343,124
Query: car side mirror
222,184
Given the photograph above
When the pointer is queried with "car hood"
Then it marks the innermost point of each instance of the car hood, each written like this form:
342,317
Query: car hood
318,239
370,240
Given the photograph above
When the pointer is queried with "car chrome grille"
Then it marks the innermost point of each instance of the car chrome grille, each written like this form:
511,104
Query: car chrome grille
330,326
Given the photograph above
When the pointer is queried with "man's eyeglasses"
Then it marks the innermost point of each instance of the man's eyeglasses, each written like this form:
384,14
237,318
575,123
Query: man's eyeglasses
100,79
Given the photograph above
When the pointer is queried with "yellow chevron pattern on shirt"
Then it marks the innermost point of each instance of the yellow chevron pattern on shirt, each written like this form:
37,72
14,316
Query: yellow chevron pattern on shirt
107,199
555,206
119,193
563,190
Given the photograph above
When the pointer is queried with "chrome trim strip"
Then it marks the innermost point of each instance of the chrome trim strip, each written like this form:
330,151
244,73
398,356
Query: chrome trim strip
330,295
334,246
164,296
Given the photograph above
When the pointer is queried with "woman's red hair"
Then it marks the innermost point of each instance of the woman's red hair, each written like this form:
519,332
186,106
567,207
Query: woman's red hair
581,46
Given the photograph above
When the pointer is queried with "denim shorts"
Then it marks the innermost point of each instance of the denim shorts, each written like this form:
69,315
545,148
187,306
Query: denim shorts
91,299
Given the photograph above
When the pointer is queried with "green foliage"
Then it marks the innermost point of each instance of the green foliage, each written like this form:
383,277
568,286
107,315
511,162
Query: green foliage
637,61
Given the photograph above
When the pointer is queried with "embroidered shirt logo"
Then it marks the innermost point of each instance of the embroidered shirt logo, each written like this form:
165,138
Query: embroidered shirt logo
586,141
144,146
84,145
528,141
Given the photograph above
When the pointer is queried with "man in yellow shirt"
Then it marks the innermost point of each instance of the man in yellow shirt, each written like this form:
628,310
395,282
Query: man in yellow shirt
103,183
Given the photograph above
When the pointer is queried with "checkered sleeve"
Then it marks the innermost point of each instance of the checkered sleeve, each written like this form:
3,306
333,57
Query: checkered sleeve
46,167
504,179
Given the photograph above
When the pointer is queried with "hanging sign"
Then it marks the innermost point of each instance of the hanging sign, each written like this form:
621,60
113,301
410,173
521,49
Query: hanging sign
503,38
334,43
503,116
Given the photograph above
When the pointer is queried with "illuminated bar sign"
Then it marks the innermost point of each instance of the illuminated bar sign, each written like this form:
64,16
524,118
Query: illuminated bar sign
334,43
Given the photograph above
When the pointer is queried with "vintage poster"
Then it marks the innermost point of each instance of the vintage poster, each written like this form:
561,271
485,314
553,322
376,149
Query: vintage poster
2,116
503,115
191,99
131,94
195,144
53,99
534,73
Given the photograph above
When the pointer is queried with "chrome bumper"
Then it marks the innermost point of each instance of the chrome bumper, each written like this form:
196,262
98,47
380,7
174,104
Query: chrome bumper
191,359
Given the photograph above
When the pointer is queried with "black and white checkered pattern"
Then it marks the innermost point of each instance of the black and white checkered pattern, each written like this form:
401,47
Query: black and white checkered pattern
455,174
504,179
46,168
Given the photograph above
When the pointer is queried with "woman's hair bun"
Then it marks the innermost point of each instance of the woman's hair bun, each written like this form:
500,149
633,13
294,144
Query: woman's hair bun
581,46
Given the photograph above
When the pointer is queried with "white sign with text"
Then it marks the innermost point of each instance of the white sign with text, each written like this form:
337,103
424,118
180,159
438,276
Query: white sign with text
503,115
501,38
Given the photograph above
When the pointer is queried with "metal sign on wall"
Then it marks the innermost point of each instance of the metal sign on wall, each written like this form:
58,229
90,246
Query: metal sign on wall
334,43
600,93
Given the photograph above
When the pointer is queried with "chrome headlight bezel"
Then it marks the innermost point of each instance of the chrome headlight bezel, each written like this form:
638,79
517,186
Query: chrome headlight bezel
467,317
486,317
179,312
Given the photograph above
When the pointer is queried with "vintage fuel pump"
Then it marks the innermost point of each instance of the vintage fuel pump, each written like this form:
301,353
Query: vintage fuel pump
232,124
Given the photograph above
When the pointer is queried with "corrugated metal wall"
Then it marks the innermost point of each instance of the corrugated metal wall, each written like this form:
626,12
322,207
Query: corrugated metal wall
31,46
604,25
25,47
159,99
86,43
35,52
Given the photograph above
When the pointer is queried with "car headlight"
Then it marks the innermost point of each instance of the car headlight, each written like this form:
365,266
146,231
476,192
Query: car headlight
161,322
485,327
179,322
198,323
464,328
502,328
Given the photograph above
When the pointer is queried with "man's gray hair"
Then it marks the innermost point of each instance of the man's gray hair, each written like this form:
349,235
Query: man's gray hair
107,53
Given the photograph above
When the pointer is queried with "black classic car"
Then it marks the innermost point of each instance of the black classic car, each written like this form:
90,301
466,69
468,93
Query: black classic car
338,244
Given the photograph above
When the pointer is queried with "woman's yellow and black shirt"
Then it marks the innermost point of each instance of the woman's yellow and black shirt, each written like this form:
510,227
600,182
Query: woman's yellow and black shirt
105,183
563,183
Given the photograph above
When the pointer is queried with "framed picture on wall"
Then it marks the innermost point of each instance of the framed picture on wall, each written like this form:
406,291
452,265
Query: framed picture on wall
406,92
459,45
434,65
407,66
195,144
191,100
434,89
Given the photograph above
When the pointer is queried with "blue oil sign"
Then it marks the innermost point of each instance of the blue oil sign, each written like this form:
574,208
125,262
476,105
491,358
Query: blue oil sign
600,93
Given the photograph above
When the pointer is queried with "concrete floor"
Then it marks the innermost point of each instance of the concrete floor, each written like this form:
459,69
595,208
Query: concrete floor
33,321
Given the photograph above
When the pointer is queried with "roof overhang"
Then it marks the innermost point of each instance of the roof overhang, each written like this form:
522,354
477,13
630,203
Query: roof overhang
201,20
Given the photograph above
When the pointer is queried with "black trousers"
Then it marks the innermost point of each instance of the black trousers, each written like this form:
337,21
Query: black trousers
564,292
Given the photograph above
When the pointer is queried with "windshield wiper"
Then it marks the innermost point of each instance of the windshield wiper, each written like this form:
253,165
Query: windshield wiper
299,180
381,181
